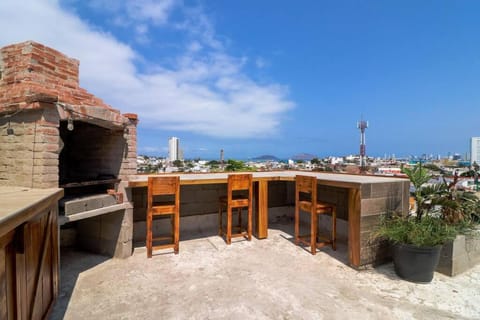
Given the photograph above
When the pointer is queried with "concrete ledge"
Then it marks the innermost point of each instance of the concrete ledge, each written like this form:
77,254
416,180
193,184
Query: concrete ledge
92,213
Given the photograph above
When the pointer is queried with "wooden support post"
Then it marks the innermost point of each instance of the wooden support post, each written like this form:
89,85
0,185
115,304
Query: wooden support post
261,209
354,212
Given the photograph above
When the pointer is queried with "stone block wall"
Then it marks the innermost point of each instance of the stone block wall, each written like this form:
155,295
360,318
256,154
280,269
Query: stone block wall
199,207
460,255
377,200
109,234
29,155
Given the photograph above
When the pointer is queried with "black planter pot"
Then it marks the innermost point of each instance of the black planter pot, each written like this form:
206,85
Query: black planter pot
415,264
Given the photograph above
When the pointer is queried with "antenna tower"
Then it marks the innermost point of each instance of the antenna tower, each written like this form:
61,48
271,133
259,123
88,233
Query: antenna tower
362,125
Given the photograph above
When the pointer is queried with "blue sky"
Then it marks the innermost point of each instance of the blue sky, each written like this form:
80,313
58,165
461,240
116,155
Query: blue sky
273,77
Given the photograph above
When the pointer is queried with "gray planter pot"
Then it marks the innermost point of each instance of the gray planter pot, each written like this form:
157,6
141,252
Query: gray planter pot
415,264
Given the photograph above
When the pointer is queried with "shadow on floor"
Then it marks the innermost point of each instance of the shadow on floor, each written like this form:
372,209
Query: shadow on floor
282,223
341,254
72,263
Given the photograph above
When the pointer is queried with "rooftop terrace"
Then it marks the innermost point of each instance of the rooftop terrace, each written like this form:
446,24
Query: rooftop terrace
261,279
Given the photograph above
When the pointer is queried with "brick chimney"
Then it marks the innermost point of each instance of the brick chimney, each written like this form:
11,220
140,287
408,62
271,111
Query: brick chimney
39,90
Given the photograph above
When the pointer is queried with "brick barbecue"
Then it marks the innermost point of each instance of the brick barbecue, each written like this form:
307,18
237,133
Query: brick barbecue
39,97
53,133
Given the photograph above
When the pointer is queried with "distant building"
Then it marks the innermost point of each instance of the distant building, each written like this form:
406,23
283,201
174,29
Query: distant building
475,150
174,152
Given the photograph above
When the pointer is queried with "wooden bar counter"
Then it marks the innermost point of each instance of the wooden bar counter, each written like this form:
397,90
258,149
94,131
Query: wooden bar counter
29,261
369,197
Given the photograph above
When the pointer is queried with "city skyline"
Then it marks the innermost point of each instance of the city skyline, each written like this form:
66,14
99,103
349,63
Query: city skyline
475,150
271,77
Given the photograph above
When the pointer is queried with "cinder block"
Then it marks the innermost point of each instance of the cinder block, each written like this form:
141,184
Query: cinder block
109,200
366,190
72,207
94,203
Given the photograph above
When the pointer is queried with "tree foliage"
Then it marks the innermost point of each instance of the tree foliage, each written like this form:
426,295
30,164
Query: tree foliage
236,165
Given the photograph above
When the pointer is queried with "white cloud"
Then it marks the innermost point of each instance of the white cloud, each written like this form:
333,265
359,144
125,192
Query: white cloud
261,63
155,11
205,92
142,33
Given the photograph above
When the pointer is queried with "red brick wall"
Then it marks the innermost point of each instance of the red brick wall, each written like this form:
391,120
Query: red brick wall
33,78
30,69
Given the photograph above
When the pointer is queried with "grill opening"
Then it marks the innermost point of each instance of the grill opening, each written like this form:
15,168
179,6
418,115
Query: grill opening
89,164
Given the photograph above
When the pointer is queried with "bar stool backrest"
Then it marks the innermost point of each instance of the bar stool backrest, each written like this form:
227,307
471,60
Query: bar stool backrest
306,189
163,186
239,182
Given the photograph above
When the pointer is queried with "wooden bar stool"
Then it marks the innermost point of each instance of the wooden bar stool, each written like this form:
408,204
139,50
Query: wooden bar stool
306,200
239,196
163,200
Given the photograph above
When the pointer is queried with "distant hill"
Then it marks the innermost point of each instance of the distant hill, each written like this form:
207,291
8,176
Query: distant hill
265,157
303,156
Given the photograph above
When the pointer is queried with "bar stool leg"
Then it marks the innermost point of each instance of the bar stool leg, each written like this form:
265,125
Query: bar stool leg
313,232
176,232
149,237
249,223
172,230
297,225
229,225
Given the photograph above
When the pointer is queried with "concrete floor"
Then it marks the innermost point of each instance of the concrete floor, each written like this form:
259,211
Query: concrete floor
261,279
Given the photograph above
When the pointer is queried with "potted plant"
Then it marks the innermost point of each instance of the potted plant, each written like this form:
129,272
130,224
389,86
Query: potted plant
418,237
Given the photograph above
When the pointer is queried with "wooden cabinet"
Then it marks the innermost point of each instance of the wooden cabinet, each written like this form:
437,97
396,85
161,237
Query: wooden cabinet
7,277
29,257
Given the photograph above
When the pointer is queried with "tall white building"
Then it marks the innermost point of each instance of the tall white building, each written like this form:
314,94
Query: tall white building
475,150
173,149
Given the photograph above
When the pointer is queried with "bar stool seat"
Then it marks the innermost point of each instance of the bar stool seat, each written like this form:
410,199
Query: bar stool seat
306,200
163,201
239,197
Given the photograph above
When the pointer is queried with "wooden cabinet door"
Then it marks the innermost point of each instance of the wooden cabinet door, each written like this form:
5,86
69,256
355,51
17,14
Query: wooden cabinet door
7,277
37,263
29,268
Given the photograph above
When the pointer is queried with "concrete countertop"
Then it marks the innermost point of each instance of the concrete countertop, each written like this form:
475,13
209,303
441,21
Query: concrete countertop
18,204
190,178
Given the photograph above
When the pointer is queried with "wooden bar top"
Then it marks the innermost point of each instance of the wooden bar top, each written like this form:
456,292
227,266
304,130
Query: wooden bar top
331,179
18,204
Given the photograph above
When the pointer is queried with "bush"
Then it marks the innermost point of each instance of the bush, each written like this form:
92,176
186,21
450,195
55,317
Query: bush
427,232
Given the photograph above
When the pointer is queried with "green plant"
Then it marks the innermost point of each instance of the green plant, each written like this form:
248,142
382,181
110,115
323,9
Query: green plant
427,232
441,213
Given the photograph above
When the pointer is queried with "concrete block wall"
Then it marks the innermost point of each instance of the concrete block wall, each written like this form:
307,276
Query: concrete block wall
199,208
109,234
460,255
379,199
29,156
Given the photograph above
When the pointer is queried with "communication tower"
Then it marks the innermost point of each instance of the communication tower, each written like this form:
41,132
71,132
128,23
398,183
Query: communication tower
222,160
362,125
